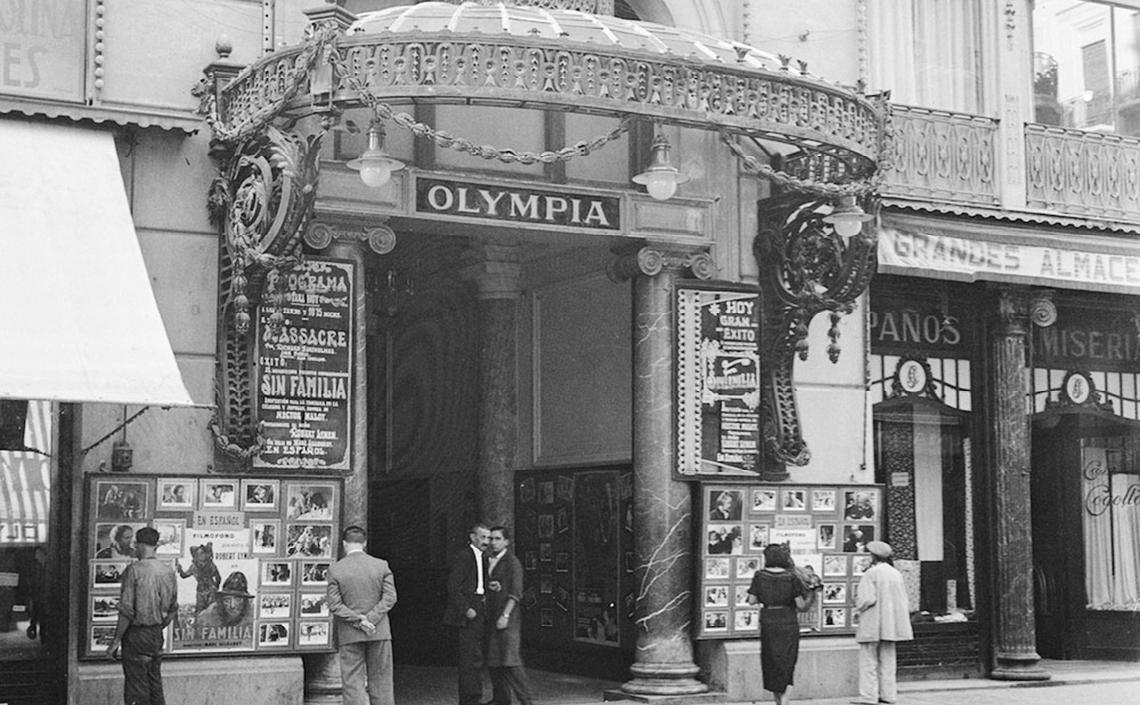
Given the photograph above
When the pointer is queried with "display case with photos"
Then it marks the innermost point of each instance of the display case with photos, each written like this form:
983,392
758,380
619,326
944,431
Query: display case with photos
827,528
251,557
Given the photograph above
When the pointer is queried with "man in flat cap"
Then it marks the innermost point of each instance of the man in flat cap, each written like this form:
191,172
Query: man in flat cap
884,618
148,601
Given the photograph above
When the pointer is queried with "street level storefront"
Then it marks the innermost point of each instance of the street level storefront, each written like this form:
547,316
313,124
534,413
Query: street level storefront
997,346
529,339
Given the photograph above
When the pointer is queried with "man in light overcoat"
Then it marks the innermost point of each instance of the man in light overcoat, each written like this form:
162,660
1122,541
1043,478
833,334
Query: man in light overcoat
361,592
884,619
504,622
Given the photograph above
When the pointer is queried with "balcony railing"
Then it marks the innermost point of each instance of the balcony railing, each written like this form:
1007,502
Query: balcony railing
943,156
1090,174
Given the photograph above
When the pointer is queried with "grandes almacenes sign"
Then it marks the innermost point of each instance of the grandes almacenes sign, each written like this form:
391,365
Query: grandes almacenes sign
304,370
497,202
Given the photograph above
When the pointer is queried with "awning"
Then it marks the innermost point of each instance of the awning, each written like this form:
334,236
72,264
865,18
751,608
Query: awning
973,250
78,319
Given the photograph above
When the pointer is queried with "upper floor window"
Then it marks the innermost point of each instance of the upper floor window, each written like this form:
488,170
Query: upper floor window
1086,65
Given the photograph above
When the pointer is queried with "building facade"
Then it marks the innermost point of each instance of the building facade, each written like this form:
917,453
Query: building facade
509,328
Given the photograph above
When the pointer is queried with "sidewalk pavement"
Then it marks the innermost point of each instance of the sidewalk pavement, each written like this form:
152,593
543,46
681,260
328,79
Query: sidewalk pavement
1072,683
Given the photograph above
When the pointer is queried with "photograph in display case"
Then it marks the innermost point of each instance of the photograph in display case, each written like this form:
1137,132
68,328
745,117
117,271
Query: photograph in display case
309,541
314,573
116,541
763,501
105,608
725,505
276,574
725,539
177,493
834,617
716,621
716,568
716,596
275,605
170,533
265,535
259,495
861,505
746,620
834,566
856,538
123,501
313,634
823,500
794,500
107,575
757,536
826,537
219,494
314,604
101,638
309,502
834,593
747,567
273,634
740,596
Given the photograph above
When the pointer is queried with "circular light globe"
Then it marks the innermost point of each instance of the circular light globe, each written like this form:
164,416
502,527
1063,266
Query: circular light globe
845,227
375,172
661,186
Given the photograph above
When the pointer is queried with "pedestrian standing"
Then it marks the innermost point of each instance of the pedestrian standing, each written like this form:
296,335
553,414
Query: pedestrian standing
148,601
504,625
466,609
884,619
361,591
782,594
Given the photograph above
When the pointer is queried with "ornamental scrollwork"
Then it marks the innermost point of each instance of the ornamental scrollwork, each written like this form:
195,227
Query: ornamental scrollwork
259,201
807,268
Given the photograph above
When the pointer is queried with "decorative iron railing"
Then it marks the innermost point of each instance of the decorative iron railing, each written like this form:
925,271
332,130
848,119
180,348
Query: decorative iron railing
1090,174
942,156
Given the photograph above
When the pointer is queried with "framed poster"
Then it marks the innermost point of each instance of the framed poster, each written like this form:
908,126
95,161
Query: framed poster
826,529
243,558
304,379
718,380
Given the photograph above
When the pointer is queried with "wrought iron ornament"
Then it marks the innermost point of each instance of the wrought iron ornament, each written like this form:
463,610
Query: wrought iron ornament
806,268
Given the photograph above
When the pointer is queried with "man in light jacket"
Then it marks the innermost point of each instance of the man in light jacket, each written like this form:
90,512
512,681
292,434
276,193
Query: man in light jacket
884,618
361,592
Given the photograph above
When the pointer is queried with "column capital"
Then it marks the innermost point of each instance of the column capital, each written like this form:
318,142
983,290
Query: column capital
380,238
494,267
651,260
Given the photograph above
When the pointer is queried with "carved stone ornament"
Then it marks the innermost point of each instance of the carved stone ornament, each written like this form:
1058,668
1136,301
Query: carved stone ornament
381,239
806,268
650,261
260,201
1079,390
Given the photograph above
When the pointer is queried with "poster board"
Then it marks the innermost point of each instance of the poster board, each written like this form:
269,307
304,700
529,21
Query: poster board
304,368
272,539
718,380
826,527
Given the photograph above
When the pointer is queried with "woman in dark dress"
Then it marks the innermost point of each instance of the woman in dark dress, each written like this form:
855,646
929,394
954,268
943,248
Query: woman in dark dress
781,594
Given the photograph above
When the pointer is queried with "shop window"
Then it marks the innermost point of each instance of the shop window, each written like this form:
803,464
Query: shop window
923,457
25,500
1116,389
1086,65
1110,485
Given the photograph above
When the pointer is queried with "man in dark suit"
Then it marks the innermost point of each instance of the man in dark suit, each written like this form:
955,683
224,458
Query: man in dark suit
466,607
504,622
361,591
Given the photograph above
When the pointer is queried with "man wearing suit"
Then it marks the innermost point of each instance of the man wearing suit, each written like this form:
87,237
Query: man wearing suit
504,625
465,610
361,592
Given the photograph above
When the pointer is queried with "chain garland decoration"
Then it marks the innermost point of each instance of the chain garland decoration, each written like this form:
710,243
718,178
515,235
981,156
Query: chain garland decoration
383,111
323,42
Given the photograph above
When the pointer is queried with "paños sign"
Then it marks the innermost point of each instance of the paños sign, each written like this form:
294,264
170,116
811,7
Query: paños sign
520,205
719,381
304,370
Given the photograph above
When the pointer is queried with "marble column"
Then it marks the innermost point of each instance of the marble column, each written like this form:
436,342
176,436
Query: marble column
662,512
494,270
1014,634
322,671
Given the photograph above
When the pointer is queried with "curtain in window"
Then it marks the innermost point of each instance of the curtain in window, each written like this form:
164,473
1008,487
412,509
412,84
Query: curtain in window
1111,522
931,53
1097,528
